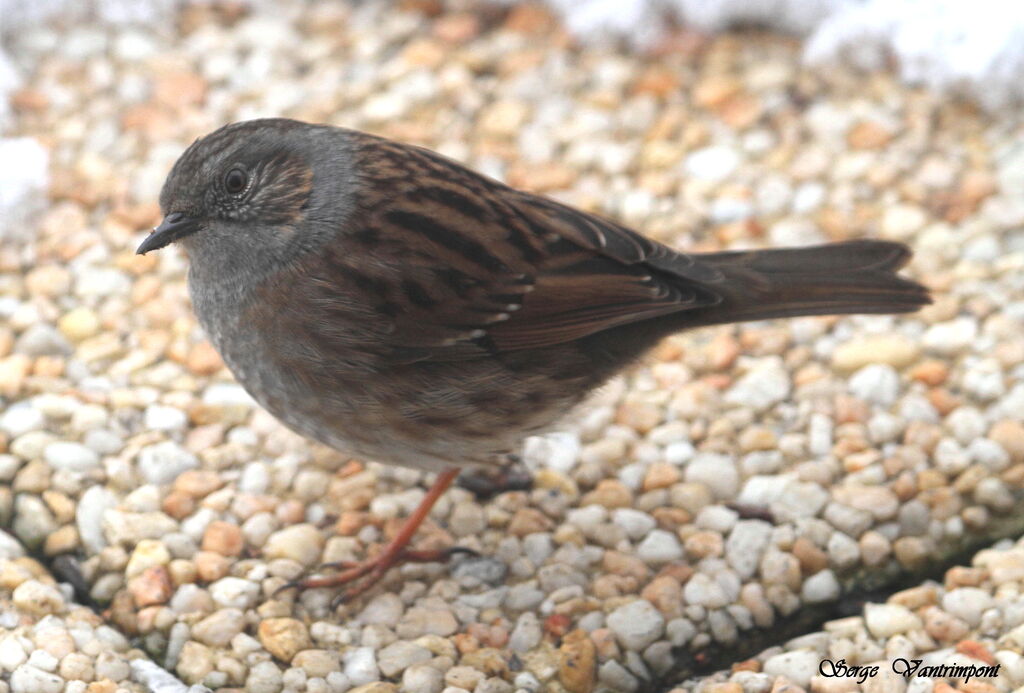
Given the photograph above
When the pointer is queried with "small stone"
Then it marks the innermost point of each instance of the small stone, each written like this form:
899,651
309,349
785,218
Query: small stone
1009,434
577,662
712,164
376,687
868,134
874,548
217,629
876,383
284,637
894,350
152,586
234,592
361,665
302,543
637,624
419,621
317,663
42,340
716,472
886,620
13,371
467,519
30,679
464,677
703,590
952,337
881,502
224,538
798,666
659,547
162,462
528,521
203,359
901,221
967,603
21,418
384,610
72,457
821,587
38,598
79,324
163,418
399,655
195,662
636,524
147,553
264,677
745,545
526,634
660,475
761,388
422,678
609,493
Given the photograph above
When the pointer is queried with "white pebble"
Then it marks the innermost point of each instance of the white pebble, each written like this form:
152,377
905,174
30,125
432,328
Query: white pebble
637,624
877,383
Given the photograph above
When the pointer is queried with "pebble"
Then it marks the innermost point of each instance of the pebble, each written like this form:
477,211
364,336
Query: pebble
636,624
72,457
422,678
712,164
893,350
761,388
716,472
360,665
162,462
745,545
233,592
886,620
399,655
967,603
636,524
797,666
302,543
21,418
284,637
37,598
217,629
659,547
30,679
877,383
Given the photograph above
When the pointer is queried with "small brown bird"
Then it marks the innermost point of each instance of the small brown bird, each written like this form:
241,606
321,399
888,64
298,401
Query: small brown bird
388,302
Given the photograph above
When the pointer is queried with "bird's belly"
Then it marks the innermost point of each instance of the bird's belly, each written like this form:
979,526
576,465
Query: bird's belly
426,416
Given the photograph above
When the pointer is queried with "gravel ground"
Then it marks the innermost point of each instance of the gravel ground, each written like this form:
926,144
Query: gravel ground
737,480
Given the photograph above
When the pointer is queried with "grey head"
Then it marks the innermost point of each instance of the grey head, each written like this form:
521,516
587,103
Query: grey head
247,197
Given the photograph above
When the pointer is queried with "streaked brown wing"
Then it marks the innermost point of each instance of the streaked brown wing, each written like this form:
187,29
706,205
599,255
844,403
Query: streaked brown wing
471,264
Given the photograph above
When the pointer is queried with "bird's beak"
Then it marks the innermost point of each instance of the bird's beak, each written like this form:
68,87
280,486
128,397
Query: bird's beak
174,226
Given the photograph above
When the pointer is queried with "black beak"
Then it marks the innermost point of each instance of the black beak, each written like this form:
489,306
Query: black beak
174,226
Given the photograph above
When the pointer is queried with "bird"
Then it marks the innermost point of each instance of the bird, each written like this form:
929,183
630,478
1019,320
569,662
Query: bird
395,305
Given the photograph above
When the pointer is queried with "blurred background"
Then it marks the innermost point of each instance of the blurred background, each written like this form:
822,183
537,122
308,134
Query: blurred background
741,505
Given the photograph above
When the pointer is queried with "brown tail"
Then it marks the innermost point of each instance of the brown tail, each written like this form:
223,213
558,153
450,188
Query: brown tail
850,277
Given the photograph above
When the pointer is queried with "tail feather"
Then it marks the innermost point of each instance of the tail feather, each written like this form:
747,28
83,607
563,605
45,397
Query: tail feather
838,278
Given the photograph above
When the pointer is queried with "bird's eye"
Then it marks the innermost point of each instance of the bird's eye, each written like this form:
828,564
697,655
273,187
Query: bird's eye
235,181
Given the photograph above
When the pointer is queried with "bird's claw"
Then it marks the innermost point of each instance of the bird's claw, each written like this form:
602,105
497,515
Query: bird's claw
367,573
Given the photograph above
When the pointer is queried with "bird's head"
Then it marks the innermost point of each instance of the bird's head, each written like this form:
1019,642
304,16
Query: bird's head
246,186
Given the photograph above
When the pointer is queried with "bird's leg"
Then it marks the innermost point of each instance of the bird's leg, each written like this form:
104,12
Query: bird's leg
395,553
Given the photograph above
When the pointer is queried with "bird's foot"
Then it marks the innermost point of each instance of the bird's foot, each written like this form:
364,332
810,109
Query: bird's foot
362,575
